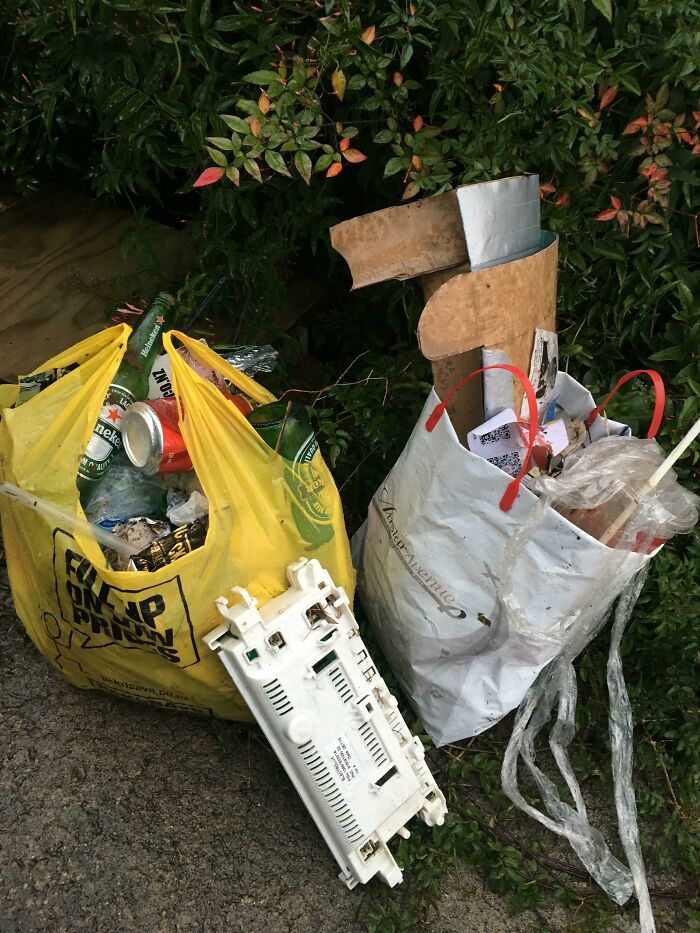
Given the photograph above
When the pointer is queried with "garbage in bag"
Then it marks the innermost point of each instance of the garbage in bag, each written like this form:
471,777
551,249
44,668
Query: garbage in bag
125,493
138,634
430,566
497,545
625,491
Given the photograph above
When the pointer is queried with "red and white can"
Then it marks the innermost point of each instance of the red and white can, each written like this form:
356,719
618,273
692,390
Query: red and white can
152,439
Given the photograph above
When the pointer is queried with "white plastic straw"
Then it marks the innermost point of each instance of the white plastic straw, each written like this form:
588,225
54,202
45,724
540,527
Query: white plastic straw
65,519
675,454
652,482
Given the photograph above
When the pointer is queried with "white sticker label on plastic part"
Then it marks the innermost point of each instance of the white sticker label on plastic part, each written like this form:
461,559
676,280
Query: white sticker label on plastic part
344,760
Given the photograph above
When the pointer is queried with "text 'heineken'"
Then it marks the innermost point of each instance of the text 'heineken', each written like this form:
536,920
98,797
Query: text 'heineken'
130,384
298,447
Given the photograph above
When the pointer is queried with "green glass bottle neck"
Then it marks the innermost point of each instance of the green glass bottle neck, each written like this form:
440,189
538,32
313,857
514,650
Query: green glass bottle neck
145,342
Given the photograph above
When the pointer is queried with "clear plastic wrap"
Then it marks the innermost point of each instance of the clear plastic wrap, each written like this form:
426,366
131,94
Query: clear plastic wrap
605,489
252,360
124,493
593,478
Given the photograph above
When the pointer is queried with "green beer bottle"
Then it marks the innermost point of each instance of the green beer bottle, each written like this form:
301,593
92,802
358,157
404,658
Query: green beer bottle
299,449
129,385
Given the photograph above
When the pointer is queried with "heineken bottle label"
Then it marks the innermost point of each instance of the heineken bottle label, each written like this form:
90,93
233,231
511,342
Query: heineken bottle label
307,484
106,438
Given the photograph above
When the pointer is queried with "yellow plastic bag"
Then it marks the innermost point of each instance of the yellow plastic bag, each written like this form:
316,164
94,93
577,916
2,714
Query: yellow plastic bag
140,634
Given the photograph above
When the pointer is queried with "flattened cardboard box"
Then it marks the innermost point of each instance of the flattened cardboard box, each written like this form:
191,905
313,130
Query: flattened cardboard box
496,307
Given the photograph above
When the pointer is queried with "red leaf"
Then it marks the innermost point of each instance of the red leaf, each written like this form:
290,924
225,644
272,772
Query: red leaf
606,215
354,155
635,126
607,97
410,191
344,143
418,124
616,202
686,137
547,188
209,176
563,200
398,78
334,170
499,87
417,162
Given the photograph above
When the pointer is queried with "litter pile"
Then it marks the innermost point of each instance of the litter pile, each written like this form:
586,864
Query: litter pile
518,511
194,477
492,554
136,478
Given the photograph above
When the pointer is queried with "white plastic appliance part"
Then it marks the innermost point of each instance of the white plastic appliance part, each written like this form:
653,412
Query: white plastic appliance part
301,666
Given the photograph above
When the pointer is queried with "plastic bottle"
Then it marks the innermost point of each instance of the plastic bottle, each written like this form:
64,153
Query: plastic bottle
130,384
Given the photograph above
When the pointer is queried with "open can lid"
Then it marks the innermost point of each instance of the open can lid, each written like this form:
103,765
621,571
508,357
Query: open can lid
142,436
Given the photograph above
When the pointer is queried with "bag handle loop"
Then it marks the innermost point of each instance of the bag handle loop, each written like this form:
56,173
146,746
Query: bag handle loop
659,398
513,487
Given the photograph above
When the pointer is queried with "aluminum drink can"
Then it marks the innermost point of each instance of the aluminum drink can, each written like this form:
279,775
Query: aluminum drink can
151,437
170,547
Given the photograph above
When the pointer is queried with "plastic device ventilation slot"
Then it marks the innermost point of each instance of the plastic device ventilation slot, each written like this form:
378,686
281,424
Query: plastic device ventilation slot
305,673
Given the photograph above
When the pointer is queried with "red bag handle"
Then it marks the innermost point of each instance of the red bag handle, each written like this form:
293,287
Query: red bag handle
513,487
659,398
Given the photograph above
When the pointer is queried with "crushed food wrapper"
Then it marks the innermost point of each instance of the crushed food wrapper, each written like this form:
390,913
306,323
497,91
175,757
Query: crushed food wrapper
139,533
183,509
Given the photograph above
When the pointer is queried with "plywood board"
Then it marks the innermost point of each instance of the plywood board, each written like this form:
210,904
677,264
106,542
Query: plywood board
61,267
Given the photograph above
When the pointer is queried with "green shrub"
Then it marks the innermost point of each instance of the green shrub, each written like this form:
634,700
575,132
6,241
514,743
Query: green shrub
303,113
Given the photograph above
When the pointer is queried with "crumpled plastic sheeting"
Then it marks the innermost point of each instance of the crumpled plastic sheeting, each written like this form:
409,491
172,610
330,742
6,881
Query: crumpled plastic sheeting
252,360
670,509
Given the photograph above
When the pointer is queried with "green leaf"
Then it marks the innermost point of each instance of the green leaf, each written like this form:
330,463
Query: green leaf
260,77
383,136
685,295
215,42
671,353
252,167
406,55
604,7
227,23
132,106
323,162
393,166
72,11
217,157
356,83
221,142
250,107
130,72
235,123
119,96
276,162
303,166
